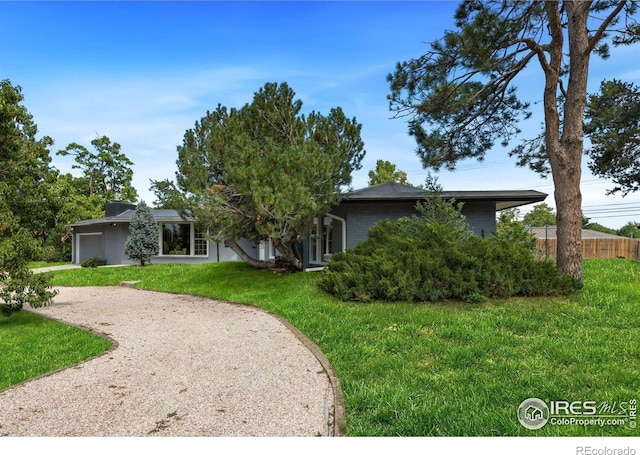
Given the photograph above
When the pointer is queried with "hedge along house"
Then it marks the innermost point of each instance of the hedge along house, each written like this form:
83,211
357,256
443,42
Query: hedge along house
341,229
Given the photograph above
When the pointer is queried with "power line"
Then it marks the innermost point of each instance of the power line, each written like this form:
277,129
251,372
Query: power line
612,204
632,209
614,216
608,212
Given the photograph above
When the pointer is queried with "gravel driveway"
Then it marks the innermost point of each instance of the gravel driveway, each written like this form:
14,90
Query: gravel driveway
180,366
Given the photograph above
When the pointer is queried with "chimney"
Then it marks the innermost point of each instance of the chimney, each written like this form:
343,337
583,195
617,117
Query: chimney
115,208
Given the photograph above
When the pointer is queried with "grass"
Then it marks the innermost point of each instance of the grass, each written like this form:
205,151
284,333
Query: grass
450,369
32,345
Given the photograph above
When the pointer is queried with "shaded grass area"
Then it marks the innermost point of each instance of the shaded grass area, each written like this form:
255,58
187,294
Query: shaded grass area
450,368
32,345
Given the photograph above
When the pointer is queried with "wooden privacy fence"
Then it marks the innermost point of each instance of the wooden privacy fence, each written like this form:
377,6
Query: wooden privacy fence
595,248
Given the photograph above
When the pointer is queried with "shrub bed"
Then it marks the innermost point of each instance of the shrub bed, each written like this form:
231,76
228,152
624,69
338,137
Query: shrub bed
418,260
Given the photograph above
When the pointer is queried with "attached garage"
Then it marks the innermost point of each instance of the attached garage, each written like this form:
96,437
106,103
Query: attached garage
89,245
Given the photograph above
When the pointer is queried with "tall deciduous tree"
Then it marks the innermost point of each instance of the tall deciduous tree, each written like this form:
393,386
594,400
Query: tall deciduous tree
264,171
67,204
24,203
541,215
143,240
599,228
613,126
386,171
630,229
460,96
168,195
106,170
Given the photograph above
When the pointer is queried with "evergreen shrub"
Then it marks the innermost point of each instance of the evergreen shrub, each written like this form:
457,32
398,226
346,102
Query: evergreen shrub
424,258
93,262
142,243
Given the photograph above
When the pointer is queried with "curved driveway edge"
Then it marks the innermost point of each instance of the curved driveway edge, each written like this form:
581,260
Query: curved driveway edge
183,366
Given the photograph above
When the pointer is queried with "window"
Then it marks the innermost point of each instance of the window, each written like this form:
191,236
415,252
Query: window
200,244
181,239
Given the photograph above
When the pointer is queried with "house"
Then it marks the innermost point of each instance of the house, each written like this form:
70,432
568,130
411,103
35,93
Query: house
179,239
341,229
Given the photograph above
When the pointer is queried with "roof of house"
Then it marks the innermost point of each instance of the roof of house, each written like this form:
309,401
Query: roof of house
168,216
384,192
549,232
504,199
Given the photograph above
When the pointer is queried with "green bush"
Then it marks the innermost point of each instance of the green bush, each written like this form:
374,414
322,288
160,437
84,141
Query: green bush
18,284
93,262
52,254
418,259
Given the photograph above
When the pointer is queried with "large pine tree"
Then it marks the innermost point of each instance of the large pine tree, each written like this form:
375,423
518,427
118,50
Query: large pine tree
460,97
265,171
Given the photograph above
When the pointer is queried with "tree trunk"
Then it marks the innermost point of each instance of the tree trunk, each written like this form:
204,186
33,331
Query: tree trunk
246,258
568,198
565,150
289,252
567,187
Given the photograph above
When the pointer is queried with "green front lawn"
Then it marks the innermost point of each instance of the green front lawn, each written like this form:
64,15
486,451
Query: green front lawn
442,369
31,345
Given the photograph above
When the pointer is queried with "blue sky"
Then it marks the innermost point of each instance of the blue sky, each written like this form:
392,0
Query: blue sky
143,73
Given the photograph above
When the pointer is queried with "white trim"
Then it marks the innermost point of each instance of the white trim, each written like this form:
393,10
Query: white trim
193,243
319,237
344,229
270,251
77,250
322,240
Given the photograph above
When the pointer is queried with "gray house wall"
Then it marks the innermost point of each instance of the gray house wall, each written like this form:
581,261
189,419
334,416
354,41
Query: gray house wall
363,215
217,253
105,241
481,217
114,238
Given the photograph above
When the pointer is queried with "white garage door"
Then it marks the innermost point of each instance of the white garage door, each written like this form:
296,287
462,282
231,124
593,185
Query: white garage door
89,246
